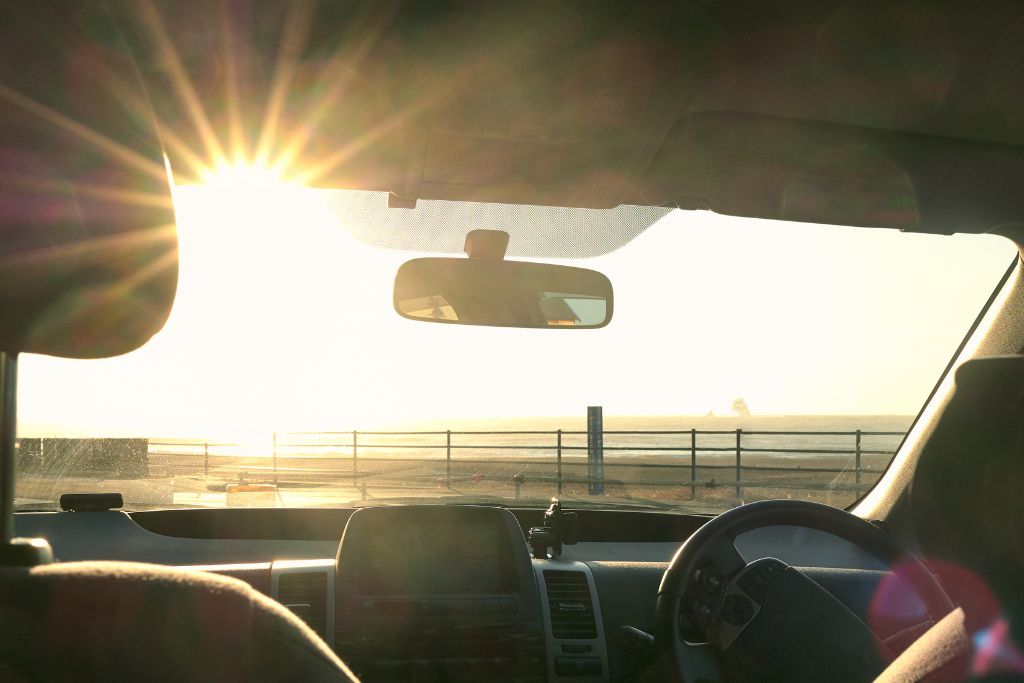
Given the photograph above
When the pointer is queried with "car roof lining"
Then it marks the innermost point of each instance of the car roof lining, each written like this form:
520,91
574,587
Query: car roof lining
893,114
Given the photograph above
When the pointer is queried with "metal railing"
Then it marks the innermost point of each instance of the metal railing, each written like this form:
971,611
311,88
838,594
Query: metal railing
750,460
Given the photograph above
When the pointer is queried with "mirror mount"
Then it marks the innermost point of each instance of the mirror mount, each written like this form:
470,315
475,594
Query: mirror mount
486,245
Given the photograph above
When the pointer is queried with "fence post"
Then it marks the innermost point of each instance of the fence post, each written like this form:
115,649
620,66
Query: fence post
739,433
448,459
595,450
559,453
206,459
355,452
275,458
856,465
693,463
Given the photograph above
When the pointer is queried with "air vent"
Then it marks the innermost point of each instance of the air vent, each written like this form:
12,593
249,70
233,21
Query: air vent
306,588
570,605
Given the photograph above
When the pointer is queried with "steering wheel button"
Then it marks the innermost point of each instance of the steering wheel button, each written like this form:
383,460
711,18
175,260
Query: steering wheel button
710,580
753,586
703,613
737,610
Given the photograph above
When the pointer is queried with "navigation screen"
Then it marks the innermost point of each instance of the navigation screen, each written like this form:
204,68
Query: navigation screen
430,558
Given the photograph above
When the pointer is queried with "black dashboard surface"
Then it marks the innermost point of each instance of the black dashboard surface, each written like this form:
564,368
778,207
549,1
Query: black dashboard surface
209,537
232,536
327,523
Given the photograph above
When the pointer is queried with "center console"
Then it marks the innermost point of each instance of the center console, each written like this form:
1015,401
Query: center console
445,593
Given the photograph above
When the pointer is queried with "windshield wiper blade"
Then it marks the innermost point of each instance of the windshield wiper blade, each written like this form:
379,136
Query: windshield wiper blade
454,499
36,507
625,506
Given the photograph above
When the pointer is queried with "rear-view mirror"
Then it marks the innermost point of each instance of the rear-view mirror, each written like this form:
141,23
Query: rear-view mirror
502,293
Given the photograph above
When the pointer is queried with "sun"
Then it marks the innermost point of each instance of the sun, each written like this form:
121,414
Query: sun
244,175
247,209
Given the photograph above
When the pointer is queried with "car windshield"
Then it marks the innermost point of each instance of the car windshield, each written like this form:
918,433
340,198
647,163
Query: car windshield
746,359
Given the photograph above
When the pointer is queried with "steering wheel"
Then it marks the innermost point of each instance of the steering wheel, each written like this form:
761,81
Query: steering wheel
719,616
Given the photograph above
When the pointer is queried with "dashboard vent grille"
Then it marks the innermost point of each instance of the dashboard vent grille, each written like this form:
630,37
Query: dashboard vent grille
306,588
570,605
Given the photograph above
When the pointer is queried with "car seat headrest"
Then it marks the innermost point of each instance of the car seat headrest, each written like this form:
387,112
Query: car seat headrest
88,245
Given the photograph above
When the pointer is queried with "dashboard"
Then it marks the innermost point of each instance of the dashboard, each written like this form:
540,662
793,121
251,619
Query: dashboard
438,593
426,593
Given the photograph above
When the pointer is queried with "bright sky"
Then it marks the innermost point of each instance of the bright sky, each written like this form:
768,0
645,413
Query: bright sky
284,321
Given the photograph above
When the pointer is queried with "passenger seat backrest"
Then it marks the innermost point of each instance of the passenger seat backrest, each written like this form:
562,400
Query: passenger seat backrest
119,621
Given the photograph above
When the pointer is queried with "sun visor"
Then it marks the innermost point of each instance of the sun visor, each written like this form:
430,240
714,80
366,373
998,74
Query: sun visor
88,244
786,169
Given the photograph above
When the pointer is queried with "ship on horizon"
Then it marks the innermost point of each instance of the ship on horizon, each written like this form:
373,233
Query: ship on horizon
739,406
